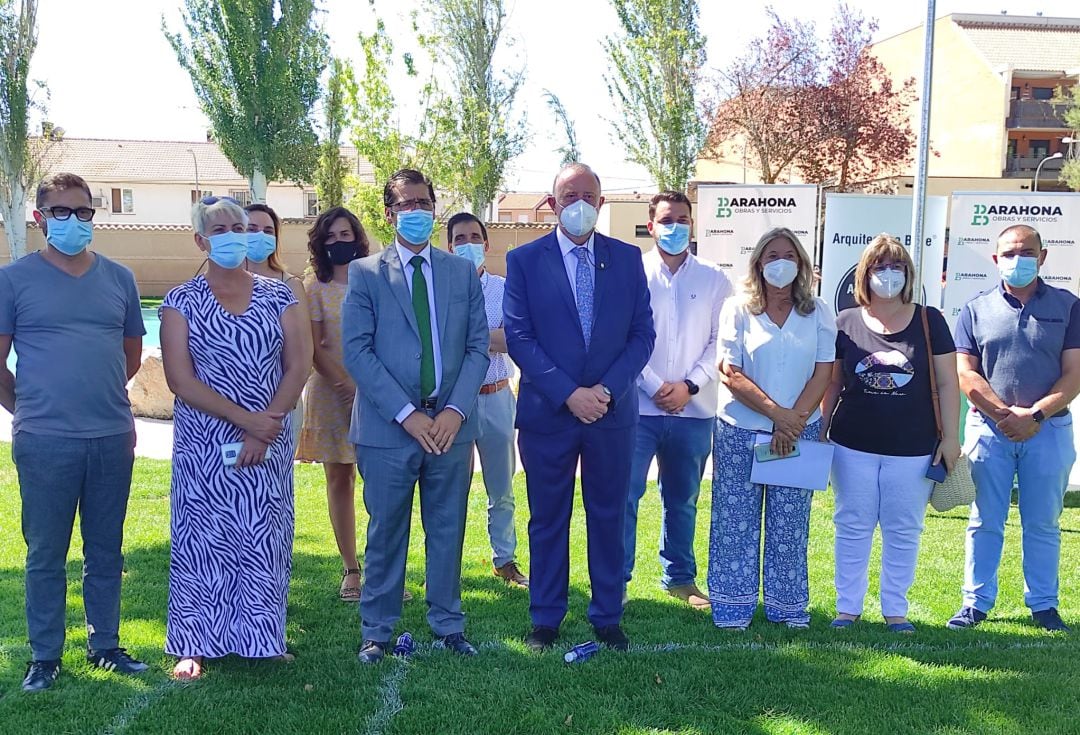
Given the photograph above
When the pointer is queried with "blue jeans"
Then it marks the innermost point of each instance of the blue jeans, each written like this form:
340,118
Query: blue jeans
1041,466
681,447
58,476
495,445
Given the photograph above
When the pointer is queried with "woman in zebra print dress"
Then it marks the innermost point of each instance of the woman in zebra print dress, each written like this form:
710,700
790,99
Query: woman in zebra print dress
234,355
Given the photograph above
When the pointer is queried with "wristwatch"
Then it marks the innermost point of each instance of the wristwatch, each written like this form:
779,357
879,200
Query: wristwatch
1038,415
607,392
690,386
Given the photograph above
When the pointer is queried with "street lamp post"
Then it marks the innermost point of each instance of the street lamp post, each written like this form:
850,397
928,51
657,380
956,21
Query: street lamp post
198,189
1035,184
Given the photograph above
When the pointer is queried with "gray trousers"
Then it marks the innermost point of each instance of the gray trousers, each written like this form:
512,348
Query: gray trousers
495,445
390,478
57,477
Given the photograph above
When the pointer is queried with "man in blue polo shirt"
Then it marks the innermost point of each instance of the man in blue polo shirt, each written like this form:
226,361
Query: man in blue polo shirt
1018,355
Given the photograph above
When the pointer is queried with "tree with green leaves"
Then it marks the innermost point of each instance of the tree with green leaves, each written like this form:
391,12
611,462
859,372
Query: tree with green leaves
470,32
429,141
332,172
569,152
255,66
20,156
1070,170
656,63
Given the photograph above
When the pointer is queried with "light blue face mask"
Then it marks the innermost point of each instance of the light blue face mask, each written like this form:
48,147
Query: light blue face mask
70,236
1018,271
471,251
672,238
228,249
260,246
415,226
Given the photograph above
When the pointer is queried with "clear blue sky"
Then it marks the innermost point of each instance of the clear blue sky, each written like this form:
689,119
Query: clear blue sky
112,75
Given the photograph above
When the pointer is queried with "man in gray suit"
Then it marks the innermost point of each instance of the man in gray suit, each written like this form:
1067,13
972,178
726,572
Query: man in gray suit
415,340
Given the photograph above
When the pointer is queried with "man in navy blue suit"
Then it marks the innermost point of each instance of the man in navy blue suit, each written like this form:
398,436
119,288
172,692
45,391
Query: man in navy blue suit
579,326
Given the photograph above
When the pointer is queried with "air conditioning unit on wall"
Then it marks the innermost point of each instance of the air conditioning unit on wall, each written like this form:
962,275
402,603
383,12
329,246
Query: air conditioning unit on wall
99,202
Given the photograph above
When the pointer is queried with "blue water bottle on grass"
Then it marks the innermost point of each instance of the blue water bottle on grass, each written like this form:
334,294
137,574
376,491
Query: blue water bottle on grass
581,652
405,645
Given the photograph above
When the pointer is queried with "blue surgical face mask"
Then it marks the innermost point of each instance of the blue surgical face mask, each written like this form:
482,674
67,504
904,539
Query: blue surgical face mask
471,251
228,249
70,236
1018,271
674,238
415,226
260,246
579,218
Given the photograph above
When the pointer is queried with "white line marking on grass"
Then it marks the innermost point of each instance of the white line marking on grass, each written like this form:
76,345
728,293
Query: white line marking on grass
136,705
390,700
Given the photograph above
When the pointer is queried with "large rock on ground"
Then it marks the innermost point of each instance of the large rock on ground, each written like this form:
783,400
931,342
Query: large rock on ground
148,391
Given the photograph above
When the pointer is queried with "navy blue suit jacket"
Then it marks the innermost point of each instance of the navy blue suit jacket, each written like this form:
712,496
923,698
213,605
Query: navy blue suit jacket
544,338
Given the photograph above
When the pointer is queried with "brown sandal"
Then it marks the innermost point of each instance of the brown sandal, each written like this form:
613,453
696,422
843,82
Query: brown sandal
350,593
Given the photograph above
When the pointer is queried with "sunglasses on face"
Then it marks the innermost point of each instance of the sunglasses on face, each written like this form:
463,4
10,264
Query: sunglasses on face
83,214
210,201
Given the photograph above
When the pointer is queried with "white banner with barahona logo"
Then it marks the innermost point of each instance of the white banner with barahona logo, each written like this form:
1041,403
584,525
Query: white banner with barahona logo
730,219
977,220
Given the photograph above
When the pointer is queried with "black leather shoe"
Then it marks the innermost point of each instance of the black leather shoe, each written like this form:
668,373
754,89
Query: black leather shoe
115,659
456,642
372,652
541,638
613,637
40,675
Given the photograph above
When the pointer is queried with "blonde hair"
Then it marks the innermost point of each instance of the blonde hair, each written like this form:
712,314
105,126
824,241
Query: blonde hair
883,248
201,214
802,288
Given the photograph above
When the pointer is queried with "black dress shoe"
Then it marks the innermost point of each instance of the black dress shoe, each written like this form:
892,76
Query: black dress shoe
40,675
372,652
541,638
456,642
613,637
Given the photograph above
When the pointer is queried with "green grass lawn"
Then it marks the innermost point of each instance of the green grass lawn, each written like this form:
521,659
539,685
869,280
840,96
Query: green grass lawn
683,675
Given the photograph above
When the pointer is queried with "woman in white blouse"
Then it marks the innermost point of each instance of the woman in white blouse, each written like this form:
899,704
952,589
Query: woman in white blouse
777,345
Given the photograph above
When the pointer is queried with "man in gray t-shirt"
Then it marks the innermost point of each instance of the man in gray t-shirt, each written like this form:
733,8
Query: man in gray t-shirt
74,319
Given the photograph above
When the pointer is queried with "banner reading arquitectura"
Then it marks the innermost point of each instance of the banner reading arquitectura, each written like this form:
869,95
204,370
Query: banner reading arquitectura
730,219
852,221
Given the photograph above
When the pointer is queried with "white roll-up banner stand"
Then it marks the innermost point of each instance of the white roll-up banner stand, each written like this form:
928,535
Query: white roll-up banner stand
977,220
852,221
732,217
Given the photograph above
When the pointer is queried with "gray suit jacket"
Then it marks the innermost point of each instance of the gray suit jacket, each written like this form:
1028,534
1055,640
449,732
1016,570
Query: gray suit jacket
381,343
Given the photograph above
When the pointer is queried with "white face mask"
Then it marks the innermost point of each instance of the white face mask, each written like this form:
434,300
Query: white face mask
888,284
780,273
578,218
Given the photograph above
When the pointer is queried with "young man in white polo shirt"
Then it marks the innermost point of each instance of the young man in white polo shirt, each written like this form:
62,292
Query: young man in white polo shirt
495,407
676,392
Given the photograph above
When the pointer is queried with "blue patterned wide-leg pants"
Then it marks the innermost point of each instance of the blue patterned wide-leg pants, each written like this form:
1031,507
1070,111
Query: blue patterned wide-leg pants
735,574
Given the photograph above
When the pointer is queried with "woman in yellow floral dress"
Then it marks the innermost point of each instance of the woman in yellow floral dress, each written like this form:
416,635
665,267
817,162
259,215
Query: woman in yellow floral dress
335,240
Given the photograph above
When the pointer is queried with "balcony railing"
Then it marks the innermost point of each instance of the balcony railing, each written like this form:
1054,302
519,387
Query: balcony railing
1036,114
1024,167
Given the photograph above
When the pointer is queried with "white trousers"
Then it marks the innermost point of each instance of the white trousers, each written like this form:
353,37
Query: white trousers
877,490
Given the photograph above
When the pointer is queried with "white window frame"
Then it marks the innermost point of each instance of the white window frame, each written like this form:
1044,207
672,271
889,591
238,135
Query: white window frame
127,200
241,195
311,204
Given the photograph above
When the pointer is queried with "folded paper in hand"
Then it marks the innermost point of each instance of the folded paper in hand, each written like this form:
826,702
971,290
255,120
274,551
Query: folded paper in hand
809,470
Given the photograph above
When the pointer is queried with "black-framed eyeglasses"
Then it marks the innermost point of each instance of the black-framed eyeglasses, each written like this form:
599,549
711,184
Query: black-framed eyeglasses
410,204
211,201
83,214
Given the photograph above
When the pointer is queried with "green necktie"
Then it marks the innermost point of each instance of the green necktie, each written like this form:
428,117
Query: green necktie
423,322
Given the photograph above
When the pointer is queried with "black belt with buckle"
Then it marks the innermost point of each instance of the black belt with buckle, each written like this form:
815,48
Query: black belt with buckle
429,404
